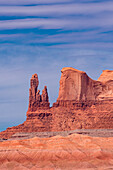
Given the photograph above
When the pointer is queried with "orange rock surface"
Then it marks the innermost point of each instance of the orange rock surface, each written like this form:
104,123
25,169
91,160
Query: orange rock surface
82,103
73,152
106,76
78,86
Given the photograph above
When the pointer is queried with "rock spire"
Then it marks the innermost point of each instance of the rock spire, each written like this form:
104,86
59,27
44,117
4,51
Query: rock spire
35,99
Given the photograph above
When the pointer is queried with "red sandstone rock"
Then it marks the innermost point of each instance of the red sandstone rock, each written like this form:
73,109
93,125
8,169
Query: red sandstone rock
33,89
106,76
35,99
70,153
44,95
38,96
76,85
82,103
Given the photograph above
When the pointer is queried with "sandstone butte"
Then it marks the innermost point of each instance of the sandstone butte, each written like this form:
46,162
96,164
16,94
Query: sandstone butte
74,152
82,103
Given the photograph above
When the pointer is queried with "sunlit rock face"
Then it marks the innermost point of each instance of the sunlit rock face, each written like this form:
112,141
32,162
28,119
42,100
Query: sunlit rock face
82,103
78,86
107,80
106,76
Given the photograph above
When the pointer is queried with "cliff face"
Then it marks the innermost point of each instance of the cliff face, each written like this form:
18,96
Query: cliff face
82,103
76,85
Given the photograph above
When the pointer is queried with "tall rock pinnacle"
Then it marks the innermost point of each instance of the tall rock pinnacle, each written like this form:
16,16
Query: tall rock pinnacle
35,99
33,87
44,95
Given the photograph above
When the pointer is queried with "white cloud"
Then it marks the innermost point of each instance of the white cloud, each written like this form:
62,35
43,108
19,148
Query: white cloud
57,9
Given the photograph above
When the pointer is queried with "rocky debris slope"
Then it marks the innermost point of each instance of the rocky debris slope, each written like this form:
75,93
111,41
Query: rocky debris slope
69,153
89,132
82,103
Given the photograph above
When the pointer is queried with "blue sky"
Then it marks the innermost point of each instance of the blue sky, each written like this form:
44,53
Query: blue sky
42,36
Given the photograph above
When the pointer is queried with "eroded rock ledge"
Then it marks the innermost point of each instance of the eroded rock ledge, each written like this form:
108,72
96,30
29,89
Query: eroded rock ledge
82,103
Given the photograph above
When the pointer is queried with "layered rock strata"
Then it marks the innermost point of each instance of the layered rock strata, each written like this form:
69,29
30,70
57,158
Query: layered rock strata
74,152
82,103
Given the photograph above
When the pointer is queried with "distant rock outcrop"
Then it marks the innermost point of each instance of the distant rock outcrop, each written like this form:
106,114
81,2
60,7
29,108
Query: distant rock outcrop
82,103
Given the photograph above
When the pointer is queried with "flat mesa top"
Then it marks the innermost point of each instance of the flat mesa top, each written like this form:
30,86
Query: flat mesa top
70,68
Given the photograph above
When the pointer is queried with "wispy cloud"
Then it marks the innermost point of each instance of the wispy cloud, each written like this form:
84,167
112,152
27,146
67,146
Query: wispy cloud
58,9
59,16
82,23
29,2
